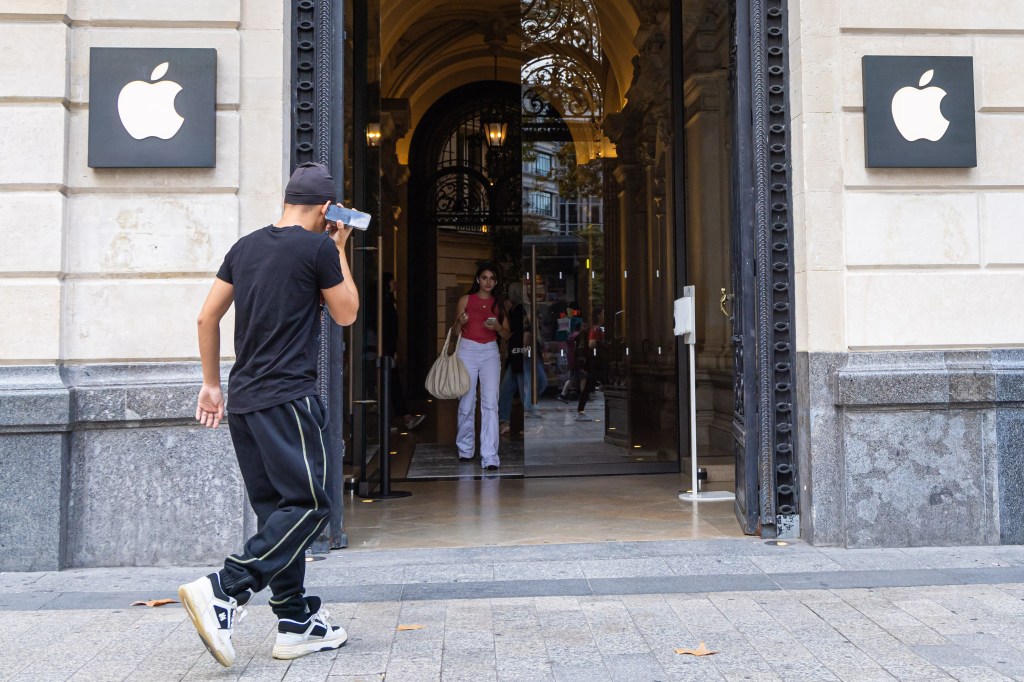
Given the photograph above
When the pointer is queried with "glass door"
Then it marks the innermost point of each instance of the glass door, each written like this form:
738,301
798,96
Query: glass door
599,260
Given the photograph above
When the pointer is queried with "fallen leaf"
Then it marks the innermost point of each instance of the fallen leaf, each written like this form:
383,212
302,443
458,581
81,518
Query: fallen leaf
403,628
702,650
155,602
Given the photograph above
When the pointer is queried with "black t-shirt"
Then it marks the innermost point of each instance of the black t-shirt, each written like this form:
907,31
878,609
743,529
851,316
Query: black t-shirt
277,273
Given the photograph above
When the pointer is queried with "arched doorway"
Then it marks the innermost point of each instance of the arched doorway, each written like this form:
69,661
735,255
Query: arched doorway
465,205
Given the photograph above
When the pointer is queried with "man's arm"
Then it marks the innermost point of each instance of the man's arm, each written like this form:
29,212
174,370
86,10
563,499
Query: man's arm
210,409
342,300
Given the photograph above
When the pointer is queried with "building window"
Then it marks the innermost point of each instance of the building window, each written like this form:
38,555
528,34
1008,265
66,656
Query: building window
543,164
541,202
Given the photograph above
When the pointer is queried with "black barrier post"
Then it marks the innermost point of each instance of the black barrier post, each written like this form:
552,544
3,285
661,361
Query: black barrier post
384,365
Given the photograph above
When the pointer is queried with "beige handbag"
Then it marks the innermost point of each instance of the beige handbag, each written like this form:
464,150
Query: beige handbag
448,378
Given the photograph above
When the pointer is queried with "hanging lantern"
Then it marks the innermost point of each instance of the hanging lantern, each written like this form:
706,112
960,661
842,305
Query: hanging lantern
496,131
373,134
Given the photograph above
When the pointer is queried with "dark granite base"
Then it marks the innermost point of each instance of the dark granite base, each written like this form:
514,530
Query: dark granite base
913,448
103,465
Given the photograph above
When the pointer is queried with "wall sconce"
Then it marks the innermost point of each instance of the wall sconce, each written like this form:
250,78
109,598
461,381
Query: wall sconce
373,134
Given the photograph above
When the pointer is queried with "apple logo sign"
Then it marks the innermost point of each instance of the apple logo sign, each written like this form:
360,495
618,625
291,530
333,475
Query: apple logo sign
147,109
918,111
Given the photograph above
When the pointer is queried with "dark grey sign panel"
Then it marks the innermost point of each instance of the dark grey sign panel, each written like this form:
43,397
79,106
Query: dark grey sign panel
919,112
152,108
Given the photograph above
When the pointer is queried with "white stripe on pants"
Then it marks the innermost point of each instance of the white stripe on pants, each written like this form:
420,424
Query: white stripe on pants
483,362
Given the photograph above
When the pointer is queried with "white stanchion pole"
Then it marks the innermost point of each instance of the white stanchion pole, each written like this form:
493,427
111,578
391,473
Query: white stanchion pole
686,326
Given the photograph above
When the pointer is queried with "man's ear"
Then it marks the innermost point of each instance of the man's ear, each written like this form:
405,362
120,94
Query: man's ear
323,209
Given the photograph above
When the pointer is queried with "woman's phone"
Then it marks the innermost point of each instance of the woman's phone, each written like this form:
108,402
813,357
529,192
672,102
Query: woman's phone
348,216
492,320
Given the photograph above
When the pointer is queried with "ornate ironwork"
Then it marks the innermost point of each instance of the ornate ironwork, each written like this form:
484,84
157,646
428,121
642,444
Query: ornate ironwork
565,84
569,23
774,262
474,187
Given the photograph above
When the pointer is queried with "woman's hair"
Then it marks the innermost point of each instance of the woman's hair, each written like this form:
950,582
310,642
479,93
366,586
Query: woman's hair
497,301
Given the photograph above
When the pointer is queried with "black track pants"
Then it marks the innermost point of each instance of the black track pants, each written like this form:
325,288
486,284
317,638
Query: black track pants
283,460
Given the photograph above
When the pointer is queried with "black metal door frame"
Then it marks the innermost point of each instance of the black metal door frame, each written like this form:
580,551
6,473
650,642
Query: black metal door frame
317,133
762,146
763,307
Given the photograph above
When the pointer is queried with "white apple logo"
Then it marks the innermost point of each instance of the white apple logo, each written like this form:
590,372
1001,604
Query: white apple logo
918,111
147,109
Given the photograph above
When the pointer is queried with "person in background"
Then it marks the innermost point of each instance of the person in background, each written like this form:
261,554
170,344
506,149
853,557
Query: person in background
480,319
594,363
518,372
390,314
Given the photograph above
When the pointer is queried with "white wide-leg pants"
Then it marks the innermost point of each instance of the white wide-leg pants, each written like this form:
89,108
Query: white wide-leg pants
483,362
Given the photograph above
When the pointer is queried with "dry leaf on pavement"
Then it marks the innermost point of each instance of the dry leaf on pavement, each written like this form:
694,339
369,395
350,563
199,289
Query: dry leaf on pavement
702,650
403,628
155,602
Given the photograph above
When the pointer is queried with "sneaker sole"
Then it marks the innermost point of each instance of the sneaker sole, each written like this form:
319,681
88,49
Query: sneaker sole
287,652
194,613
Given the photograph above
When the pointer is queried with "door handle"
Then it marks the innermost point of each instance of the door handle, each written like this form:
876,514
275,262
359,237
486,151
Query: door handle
723,301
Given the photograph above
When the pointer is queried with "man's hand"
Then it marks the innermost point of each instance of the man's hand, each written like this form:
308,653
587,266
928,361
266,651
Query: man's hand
337,231
210,410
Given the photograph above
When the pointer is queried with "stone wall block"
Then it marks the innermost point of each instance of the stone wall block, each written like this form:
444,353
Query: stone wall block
998,73
816,18
30,319
932,15
1008,364
887,387
855,46
35,132
1001,236
999,163
1010,440
264,54
264,15
139,233
819,449
227,43
190,12
823,238
917,478
36,9
162,323
820,59
933,309
825,324
41,44
30,230
223,178
153,496
912,229
822,144
33,476
33,397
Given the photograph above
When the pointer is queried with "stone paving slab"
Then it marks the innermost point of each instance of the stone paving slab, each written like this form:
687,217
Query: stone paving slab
589,612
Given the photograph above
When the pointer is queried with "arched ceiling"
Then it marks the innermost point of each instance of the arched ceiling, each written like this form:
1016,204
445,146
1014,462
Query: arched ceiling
430,47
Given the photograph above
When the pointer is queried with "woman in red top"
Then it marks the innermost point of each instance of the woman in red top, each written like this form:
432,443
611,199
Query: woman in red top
480,318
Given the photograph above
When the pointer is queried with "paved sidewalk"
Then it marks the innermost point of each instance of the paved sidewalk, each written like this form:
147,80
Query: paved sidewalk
592,612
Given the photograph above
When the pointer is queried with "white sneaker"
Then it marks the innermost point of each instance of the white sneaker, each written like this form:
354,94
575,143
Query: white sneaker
298,638
583,417
214,614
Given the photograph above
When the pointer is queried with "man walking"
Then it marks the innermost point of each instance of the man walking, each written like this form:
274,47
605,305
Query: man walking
276,277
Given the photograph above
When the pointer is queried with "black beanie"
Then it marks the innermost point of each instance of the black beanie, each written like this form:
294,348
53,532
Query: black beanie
310,184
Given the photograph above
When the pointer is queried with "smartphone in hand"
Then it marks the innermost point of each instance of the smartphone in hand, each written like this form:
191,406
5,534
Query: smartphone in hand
348,216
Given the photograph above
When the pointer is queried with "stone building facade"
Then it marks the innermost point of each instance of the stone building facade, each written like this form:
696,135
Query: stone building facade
910,400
